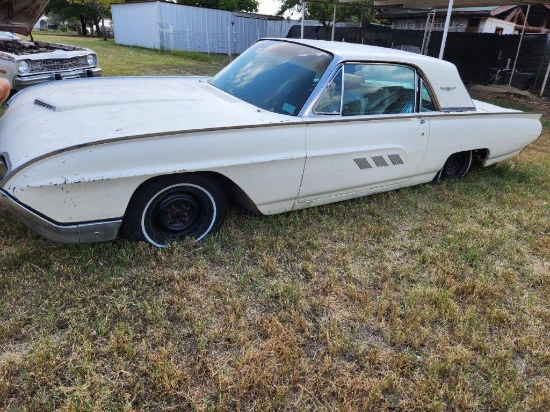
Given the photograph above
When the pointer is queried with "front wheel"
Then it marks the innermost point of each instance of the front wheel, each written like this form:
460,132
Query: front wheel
456,166
175,208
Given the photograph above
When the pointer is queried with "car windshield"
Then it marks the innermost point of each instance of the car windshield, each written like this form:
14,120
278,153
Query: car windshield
277,76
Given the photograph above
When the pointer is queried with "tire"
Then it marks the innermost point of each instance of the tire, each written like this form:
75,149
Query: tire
456,166
174,208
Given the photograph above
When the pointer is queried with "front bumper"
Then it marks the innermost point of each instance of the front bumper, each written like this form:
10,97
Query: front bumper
20,82
86,232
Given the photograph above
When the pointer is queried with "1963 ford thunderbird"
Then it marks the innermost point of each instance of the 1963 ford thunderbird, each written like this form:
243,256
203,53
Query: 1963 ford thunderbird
289,124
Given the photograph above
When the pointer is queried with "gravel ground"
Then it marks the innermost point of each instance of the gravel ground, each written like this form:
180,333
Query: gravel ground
513,95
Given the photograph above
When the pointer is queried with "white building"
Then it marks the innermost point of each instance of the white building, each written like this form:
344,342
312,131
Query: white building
41,24
169,26
499,20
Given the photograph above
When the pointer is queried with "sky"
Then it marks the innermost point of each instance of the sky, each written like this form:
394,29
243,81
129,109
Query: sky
268,7
271,7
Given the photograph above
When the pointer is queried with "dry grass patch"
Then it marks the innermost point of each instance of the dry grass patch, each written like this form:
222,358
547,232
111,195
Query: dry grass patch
431,298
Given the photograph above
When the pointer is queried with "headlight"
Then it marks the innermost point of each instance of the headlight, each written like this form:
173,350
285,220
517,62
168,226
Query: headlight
23,67
92,59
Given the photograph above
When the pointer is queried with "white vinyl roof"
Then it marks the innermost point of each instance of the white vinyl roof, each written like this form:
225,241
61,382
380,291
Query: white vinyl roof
441,75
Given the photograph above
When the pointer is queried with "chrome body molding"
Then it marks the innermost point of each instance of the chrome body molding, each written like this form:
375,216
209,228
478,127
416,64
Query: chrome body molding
311,120
85,232
21,82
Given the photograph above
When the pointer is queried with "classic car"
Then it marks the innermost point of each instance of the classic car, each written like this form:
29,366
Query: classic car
287,125
25,62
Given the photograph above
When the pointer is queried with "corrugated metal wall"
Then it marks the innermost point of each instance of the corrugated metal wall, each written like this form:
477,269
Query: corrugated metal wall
136,24
169,26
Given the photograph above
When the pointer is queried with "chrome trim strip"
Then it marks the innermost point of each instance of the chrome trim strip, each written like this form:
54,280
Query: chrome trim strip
305,121
460,109
84,232
23,82
142,136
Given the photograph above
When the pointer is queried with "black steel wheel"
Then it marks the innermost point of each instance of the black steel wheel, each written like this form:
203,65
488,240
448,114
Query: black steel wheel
175,208
456,166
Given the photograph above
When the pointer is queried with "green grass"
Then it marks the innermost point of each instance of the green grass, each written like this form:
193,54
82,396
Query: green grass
430,298
118,60
510,105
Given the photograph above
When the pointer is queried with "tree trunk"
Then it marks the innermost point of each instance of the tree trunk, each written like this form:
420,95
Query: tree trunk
83,25
96,21
327,30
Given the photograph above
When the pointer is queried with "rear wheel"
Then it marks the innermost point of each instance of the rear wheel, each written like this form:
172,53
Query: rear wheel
456,166
175,208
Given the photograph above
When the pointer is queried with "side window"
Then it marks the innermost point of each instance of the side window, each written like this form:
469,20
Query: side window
426,100
378,89
330,101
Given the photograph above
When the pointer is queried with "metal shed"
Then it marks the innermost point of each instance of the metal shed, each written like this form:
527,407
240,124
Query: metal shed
169,26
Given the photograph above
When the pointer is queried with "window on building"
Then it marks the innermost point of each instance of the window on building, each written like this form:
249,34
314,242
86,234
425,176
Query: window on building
473,22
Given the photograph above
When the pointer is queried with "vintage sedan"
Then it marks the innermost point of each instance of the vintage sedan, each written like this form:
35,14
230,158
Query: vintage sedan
26,62
289,124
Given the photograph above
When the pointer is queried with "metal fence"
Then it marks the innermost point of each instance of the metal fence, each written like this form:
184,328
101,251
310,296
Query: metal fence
480,57
208,42
169,26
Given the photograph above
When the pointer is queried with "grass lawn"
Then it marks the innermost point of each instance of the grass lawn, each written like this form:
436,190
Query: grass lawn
117,60
430,298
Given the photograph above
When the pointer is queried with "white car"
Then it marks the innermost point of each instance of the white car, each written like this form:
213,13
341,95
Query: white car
289,124
25,63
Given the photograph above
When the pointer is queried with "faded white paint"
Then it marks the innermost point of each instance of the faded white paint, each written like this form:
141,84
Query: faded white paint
492,25
78,150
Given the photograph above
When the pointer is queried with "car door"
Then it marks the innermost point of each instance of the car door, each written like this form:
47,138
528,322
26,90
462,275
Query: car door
365,132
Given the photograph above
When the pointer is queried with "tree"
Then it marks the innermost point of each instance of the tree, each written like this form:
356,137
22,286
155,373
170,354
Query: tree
323,12
85,11
230,5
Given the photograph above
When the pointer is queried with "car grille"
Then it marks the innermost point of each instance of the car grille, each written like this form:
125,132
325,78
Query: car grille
58,64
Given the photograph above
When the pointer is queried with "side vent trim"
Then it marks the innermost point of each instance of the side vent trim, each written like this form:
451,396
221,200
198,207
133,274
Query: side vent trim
379,161
363,163
395,159
45,105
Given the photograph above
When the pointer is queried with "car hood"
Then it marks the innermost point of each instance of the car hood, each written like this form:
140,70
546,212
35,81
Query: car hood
19,16
57,116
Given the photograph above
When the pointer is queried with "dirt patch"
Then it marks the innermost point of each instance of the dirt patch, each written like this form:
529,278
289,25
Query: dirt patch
512,95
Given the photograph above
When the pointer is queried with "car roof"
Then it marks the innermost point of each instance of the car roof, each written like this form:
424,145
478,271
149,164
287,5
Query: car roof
351,51
442,76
